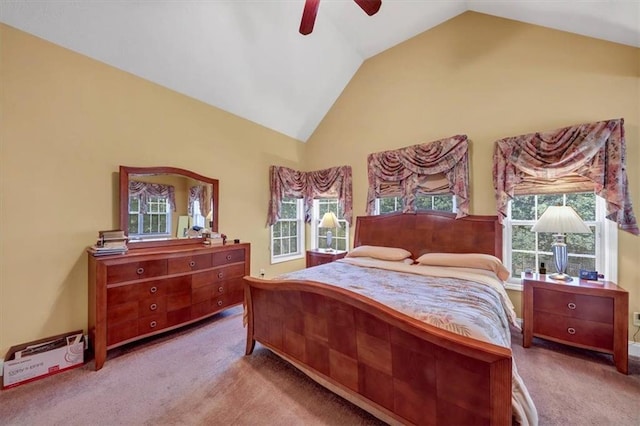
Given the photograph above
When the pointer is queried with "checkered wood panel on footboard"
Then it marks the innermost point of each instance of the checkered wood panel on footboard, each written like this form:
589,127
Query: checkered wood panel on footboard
411,375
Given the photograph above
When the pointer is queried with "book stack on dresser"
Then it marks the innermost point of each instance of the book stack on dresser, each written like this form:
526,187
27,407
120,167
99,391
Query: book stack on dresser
110,242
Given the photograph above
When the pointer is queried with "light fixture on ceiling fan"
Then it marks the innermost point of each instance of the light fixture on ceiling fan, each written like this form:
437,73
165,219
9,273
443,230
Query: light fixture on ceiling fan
311,9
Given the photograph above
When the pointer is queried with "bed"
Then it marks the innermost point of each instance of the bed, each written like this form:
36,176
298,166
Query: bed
386,351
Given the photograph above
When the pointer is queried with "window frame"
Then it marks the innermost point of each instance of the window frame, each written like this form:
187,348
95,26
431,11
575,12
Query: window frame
300,253
315,221
606,244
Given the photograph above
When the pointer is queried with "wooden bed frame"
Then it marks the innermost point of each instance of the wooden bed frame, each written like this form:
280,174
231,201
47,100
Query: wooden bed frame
399,369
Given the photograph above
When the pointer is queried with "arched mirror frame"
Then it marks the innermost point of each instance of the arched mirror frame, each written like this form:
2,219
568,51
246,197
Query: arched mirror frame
126,172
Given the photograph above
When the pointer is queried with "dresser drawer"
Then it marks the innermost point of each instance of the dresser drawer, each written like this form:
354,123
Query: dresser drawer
152,323
592,308
217,275
214,305
189,263
178,316
574,330
152,306
208,291
213,290
229,256
131,329
179,300
136,270
123,312
117,294
121,331
135,309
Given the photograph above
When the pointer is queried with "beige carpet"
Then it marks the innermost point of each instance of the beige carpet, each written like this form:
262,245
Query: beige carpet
199,375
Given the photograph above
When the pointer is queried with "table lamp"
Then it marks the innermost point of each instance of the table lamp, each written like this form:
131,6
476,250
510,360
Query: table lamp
329,220
560,220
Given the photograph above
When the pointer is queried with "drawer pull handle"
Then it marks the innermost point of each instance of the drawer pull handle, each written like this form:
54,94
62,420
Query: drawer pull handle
192,263
220,275
140,271
153,289
571,330
571,305
153,324
153,307
228,257
219,302
220,289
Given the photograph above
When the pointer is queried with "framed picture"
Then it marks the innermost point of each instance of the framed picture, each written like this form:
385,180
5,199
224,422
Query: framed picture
183,226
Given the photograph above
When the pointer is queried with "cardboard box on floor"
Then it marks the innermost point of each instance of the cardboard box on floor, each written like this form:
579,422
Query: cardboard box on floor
41,358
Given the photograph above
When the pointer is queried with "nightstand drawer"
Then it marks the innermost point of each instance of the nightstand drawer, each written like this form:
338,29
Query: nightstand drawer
320,261
573,330
582,306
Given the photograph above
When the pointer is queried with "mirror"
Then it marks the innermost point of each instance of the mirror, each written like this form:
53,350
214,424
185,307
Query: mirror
166,205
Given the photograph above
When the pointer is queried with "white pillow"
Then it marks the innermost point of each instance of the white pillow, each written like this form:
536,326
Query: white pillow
466,260
407,261
379,252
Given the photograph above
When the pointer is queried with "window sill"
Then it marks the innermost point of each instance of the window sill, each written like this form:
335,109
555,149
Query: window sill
287,258
513,286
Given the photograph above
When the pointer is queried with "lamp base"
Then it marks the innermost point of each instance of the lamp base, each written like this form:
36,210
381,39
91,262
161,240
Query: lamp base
561,276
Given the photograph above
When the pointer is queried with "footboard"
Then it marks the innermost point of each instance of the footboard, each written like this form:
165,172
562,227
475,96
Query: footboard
398,368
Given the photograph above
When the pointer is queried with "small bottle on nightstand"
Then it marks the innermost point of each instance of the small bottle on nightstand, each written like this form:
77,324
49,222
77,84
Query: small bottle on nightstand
542,270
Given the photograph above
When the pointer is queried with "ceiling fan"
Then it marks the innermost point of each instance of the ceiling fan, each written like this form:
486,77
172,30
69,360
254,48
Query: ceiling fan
311,9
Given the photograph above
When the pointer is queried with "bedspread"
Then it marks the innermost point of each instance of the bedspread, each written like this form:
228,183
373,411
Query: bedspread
468,302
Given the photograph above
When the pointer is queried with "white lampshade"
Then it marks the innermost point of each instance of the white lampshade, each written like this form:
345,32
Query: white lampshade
561,220
329,220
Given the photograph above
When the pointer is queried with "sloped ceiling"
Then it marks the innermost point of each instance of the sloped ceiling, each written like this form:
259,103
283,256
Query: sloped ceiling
247,57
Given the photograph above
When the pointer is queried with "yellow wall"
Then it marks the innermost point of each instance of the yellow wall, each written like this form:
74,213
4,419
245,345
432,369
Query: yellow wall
487,78
68,122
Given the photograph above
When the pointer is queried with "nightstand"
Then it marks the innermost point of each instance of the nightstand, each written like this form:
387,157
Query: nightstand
317,257
585,314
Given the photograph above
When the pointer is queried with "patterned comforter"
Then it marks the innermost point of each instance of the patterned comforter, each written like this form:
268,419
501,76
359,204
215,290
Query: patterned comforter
470,302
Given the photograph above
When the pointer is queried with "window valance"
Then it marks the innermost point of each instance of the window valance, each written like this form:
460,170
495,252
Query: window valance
584,157
437,167
201,194
328,183
145,190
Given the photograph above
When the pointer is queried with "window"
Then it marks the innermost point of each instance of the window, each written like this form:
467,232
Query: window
388,205
287,234
156,222
340,239
526,249
443,203
198,219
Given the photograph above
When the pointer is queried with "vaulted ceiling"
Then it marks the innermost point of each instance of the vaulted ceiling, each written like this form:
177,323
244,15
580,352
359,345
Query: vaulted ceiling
248,58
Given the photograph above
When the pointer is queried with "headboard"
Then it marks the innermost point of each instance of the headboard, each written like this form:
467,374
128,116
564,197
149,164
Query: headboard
431,232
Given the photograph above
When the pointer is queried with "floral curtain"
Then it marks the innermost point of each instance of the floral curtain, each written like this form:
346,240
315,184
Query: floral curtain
438,167
590,156
335,182
145,190
202,194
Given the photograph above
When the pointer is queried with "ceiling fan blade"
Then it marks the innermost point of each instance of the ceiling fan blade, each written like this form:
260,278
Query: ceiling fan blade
369,6
309,16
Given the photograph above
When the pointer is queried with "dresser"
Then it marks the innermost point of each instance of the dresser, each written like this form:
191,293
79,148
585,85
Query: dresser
148,291
317,257
586,314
